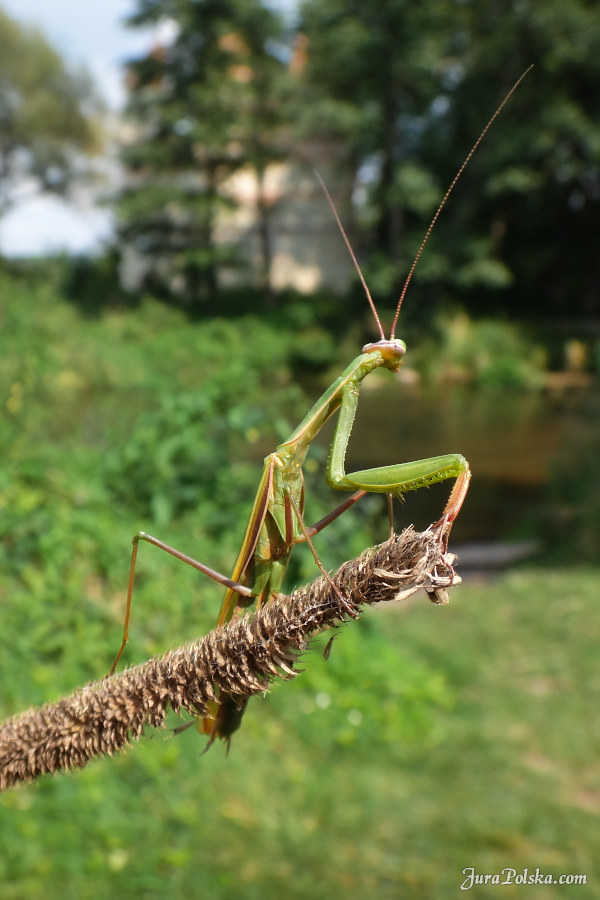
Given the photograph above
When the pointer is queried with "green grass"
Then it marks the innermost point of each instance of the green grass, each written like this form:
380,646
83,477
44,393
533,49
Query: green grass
478,746
433,739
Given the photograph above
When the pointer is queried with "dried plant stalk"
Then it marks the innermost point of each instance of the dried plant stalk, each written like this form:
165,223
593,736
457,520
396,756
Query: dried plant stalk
242,659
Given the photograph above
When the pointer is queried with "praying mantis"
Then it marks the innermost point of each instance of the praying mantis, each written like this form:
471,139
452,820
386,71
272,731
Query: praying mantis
276,522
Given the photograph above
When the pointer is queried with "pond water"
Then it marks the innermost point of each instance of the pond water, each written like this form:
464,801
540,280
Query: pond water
515,444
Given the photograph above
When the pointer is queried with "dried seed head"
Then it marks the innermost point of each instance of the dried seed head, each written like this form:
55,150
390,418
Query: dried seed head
240,659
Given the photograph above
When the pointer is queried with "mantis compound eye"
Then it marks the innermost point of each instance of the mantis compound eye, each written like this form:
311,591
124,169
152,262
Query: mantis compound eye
391,349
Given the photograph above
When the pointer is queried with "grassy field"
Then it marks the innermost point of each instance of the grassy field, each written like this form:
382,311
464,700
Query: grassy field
432,740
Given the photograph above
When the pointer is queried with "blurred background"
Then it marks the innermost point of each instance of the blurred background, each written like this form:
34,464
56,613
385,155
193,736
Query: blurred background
174,293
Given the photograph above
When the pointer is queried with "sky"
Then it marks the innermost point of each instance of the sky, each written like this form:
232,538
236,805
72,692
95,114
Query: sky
92,34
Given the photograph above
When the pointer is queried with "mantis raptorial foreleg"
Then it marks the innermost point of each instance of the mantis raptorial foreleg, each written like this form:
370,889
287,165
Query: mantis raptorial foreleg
397,479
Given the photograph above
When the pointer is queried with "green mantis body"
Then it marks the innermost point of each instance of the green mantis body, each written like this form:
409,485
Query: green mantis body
276,521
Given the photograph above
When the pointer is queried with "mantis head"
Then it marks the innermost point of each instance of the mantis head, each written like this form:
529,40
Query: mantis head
392,351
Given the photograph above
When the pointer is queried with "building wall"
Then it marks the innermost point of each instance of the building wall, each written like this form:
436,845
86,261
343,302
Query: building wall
307,248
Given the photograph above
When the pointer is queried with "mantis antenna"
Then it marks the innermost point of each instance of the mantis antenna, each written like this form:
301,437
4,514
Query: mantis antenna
354,260
429,230
447,194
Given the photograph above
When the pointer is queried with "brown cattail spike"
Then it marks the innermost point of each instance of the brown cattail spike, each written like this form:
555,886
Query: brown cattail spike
241,659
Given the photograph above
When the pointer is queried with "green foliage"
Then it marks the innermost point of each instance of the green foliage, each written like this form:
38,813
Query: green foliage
380,64
46,112
133,419
412,85
340,783
314,803
186,454
488,353
569,519
398,92
336,695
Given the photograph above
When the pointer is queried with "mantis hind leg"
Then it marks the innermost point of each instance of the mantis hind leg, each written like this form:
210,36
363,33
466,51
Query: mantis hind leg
212,573
332,516
390,502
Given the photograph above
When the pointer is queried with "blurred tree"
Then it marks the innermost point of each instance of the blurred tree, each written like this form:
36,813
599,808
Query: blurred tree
372,72
46,114
408,87
539,199
209,102
405,88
